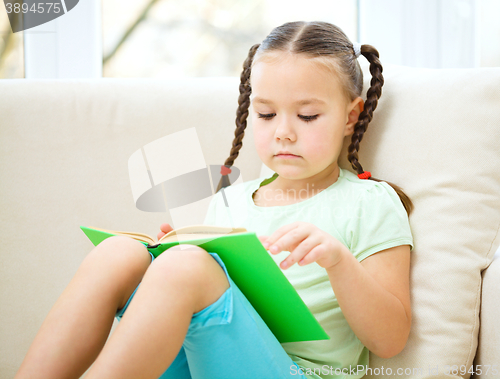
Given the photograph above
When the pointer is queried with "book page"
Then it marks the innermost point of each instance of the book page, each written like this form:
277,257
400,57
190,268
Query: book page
200,231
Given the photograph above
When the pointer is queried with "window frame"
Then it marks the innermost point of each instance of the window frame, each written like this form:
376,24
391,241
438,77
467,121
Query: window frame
422,33
68,47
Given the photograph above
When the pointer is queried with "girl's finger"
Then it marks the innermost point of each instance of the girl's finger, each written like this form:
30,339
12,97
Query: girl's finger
161,234
311,257
276,239
166,228
301,252
290,240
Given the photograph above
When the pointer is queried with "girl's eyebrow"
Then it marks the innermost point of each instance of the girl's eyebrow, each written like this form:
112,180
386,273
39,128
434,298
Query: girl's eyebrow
309,101
261,100
299,102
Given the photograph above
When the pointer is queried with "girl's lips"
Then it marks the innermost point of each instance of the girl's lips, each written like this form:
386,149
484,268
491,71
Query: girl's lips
287,156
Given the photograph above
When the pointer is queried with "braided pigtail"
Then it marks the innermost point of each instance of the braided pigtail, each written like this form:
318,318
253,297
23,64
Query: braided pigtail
372,96
241,116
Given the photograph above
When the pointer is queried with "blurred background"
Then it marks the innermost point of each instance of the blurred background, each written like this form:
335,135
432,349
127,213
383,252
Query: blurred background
196,38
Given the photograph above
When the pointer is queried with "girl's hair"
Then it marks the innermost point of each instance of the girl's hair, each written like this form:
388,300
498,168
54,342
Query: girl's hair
327,44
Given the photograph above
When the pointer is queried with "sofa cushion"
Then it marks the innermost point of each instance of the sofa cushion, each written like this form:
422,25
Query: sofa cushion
436,134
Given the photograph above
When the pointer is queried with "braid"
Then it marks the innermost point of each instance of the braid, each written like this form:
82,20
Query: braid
372,96
241,114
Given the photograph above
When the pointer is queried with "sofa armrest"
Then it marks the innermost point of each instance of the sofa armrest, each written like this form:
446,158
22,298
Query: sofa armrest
488,351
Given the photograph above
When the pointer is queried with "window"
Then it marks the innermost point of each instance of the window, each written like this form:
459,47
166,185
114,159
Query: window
433,33
489,33
171,39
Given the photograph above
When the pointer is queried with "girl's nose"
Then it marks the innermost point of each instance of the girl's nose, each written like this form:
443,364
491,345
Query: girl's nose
284,129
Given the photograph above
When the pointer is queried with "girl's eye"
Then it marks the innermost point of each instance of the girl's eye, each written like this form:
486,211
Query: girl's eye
267,116
308,118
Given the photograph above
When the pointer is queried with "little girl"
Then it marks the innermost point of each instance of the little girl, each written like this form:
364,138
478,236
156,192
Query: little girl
343,242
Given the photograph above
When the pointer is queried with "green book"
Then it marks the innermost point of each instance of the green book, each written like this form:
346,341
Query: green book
251,268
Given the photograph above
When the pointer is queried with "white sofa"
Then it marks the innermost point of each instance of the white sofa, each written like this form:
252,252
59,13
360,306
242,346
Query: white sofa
65,147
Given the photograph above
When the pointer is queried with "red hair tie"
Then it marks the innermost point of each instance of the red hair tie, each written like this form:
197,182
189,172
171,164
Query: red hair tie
225,170
365,175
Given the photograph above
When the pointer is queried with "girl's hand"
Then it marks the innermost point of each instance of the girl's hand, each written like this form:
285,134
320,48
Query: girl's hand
307,243
165,228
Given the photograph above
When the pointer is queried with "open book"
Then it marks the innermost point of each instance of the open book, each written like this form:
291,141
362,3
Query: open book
251,268
181,234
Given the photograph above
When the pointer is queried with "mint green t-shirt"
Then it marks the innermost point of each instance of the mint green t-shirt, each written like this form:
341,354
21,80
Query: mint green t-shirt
365,215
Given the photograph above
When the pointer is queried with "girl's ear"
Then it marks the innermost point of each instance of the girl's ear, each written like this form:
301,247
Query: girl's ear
354,109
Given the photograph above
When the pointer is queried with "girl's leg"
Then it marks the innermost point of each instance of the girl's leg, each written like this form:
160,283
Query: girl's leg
78,325
226,339
182,281
229,340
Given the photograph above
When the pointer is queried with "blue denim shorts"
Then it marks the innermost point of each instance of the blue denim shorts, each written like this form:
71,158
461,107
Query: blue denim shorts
228,340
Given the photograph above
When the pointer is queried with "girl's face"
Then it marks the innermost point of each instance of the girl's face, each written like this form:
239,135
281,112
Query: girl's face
299,106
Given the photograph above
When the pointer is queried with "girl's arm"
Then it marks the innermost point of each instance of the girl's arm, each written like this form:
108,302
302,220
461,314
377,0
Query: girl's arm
374,296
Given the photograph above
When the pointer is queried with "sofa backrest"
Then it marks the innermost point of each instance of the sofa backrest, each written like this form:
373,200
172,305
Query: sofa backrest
64,152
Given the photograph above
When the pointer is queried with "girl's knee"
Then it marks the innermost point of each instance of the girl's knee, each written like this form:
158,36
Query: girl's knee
120,246
183,256
190,262
116,266
119,253
194,269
